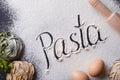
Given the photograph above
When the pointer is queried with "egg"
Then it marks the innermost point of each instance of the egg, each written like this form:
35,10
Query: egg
96,67
79,75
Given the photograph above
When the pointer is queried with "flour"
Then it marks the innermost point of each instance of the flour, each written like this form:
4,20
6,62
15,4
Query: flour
58,17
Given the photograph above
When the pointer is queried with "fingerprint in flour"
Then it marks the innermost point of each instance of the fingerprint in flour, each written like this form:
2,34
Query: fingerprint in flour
7,16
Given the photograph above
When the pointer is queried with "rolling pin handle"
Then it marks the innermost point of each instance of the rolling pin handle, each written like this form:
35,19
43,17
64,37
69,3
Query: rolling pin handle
98,5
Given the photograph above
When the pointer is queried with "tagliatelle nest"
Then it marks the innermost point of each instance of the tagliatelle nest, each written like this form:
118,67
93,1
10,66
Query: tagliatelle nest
21,70
114,73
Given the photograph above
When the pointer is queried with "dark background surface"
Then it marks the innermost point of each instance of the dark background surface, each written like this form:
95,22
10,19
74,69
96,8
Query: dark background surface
117,2
7,16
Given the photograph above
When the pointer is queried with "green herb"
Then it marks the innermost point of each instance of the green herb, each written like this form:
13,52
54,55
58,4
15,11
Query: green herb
5,66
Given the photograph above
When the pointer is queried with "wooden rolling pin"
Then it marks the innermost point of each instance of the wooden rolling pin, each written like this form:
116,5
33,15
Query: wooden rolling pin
112,18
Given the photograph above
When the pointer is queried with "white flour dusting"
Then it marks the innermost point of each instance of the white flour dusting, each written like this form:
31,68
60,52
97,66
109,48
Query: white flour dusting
59,18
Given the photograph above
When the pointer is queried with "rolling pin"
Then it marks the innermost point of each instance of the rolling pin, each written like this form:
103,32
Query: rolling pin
112,18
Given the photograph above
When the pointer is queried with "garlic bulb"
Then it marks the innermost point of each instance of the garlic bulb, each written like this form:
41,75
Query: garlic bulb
114,73
11,46
21,70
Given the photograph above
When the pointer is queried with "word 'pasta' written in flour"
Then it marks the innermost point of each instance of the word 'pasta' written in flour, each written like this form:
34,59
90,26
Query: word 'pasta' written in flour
59,45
